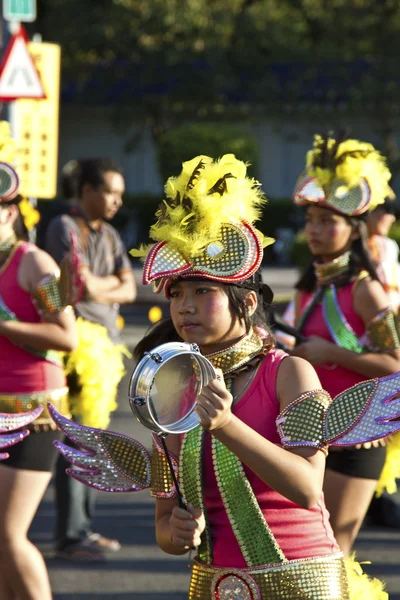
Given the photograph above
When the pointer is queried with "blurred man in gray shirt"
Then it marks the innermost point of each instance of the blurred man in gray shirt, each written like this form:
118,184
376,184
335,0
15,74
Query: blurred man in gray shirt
108,282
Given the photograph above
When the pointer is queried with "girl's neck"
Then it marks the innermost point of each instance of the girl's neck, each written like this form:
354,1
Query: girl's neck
8,243
222,346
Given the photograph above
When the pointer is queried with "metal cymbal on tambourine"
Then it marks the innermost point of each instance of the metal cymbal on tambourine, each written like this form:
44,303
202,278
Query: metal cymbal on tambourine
165,385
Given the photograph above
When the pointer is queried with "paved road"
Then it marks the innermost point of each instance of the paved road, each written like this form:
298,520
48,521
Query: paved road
140,570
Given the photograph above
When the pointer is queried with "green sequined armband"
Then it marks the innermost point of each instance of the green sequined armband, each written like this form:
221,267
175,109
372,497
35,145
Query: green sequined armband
301,424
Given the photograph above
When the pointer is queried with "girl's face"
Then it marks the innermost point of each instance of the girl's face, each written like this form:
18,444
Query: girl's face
328,234
201,314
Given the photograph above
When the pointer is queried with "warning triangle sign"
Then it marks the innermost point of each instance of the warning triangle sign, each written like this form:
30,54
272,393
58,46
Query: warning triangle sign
18,75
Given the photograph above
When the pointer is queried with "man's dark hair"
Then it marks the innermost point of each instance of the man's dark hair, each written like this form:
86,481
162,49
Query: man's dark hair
69,179
92,171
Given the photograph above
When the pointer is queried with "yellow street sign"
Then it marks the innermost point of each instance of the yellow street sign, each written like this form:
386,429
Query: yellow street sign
36,127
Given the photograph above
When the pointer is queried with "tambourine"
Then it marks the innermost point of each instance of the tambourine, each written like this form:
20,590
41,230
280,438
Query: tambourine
165,385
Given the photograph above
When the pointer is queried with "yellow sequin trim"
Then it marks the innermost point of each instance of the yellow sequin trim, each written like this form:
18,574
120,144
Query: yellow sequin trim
20,403
305,579
232,358
162,485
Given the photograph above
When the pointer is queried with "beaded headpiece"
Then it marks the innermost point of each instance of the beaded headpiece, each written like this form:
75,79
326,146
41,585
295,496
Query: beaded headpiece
205,226
347,176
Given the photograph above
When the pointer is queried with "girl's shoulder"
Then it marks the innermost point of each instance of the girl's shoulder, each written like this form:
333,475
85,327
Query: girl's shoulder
268,368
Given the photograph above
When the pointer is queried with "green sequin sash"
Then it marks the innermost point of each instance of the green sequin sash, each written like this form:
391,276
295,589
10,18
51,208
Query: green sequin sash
339,328
341,331
256,541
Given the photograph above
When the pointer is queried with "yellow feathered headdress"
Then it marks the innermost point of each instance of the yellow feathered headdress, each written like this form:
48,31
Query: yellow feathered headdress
205,225
348,176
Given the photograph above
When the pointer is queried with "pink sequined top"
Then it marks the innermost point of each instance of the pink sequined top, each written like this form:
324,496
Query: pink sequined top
334,378
20,371
300,533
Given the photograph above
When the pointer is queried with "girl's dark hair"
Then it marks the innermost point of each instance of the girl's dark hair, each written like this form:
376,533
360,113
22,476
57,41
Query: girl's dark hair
20,229
164,331
360,259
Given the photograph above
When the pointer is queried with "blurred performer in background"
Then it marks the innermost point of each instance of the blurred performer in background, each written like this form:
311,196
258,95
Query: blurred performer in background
383,510
95,369
342,308
36,322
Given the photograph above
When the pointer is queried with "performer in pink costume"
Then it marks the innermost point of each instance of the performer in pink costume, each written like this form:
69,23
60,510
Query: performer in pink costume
342,308
251,471
35,324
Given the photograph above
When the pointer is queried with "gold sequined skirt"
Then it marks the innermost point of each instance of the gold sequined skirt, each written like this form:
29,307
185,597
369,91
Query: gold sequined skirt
321,578
19,403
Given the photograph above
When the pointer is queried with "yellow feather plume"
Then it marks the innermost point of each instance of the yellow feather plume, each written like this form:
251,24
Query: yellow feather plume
99,366
349,161
8,147
391,468
361,586
205,195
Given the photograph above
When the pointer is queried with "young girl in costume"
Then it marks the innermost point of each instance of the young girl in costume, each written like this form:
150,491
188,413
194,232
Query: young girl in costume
34,323
342,308
252,472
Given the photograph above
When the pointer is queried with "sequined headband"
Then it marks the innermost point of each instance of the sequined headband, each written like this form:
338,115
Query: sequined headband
347,176
205,225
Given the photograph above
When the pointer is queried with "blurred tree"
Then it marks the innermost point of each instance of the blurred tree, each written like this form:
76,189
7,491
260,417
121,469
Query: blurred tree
168,60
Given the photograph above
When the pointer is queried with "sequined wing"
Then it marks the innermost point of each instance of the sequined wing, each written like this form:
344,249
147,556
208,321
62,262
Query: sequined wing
108,461
365,412
10,422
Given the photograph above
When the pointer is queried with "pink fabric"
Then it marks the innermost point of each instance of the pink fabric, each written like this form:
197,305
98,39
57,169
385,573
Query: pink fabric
20,371
334,379
300,533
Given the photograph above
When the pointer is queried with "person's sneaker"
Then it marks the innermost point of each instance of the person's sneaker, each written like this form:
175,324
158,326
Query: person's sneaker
103,543
82,552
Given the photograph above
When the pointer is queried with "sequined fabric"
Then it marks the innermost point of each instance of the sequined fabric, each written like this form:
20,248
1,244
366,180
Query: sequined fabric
234,256
109,461
12,422
8,244
47,294
382,332
365,412
256,540
21,403
301,423
232,358
322,578
191,465
162,485
339,328
326,272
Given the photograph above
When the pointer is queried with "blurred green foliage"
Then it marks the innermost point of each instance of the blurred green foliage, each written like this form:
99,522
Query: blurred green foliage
204,59
184,142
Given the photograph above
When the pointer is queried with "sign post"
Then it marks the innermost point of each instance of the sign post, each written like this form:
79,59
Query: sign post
36,127
19,10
